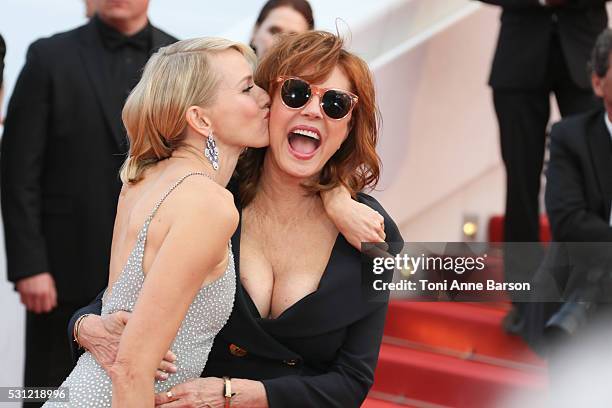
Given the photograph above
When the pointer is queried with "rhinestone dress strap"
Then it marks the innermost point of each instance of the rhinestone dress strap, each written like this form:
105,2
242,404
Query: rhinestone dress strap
141,240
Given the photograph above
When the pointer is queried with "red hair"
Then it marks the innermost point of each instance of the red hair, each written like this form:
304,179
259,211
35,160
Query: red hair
356,164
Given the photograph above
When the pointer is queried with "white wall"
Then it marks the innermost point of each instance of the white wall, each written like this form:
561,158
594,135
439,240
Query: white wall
440,141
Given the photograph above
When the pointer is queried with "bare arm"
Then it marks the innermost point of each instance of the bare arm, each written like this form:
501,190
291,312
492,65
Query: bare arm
185,259
356,221
100,336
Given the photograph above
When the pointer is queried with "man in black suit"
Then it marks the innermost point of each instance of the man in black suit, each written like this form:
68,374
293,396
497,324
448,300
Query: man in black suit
63,145
543,47
579,198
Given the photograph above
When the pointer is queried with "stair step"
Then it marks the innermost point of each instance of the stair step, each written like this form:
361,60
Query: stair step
445,380
469,329
377,399
376,403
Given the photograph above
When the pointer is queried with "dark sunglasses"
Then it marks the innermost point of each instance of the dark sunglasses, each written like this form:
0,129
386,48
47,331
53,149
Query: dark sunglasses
296,92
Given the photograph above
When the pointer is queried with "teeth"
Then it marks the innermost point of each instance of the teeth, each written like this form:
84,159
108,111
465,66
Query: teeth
307,133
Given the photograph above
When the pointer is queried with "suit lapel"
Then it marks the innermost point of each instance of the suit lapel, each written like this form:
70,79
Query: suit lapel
600,146
91,53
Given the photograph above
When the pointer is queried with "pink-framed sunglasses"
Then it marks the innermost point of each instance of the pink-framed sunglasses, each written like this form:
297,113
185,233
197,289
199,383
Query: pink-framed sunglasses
335,103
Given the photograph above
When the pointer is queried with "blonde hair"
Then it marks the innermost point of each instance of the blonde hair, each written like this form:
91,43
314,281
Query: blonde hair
175,77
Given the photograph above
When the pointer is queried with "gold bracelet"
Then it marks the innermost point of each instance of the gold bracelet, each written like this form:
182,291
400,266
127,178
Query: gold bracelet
77,326
227,392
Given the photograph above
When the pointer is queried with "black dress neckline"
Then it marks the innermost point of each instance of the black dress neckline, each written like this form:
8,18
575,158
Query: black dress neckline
286,314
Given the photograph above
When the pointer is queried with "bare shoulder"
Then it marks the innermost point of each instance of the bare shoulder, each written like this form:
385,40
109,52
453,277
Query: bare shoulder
121,203
203,203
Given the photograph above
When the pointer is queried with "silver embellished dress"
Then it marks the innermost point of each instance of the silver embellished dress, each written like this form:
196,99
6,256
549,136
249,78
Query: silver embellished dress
88,383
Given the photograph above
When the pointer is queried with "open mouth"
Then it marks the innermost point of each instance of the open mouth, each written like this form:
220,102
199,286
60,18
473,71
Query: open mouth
304,142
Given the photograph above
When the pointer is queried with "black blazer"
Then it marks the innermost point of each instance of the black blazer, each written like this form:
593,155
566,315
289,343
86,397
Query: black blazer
578,197
579,179
321,352
520,60
62,148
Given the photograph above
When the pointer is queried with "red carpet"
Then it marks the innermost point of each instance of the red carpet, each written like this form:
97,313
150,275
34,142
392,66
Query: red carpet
454,354
451,355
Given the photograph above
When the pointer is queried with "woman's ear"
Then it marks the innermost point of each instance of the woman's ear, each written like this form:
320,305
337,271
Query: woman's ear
198,120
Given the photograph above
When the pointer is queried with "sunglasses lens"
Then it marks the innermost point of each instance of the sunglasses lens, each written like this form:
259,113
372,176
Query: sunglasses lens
295,93
336,104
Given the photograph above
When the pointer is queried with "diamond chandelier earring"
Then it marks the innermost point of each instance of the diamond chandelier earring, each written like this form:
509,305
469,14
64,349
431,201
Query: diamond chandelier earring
212,152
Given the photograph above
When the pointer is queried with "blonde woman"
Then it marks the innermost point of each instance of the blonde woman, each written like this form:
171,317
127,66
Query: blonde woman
188,119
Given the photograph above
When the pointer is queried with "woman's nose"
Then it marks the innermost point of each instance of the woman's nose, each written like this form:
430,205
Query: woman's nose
312,108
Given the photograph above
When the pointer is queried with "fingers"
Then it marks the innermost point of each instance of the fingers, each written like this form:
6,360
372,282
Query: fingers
46,302
53,297
381,235
38,293
376,234
37,304
170,356
166,366
32,303
161,375
160,398
380,219
25,300
176,404
49,300
166,397
379,228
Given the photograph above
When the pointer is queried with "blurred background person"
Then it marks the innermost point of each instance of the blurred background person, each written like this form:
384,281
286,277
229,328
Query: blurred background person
280,17
62,148
90,8
543,47
578,201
